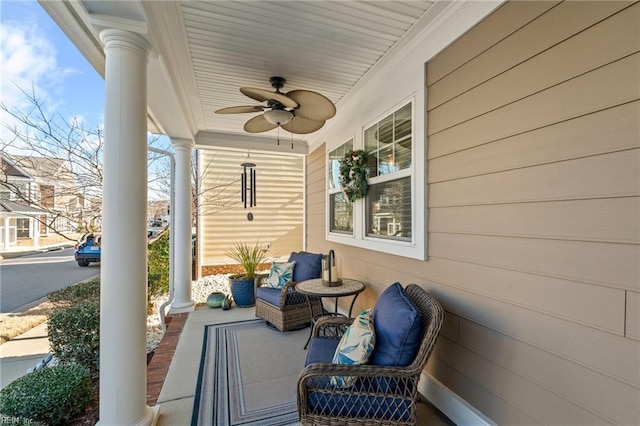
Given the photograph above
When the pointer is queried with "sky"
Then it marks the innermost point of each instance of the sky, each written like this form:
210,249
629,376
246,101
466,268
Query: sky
34,51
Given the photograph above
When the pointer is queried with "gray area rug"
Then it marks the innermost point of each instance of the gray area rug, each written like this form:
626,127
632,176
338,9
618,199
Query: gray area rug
248,375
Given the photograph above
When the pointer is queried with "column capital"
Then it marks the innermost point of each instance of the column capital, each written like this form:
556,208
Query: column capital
113,37
182,143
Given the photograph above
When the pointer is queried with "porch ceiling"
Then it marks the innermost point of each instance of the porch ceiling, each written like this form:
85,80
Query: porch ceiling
205,50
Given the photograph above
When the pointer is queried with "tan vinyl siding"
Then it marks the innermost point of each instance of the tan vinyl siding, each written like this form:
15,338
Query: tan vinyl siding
277,215
534,214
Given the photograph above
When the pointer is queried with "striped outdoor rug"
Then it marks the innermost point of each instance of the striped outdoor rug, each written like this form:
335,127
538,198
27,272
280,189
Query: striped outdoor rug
248,375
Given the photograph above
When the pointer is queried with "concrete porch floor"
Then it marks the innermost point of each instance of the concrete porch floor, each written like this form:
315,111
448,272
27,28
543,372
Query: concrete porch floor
172,374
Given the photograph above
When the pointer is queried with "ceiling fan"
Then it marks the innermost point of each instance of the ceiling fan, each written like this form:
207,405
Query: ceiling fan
297,111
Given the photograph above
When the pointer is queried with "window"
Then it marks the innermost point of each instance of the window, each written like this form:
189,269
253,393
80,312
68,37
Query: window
388,202
391,218
22,227
340,209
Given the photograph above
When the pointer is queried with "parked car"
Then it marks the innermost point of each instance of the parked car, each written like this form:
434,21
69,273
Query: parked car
88,250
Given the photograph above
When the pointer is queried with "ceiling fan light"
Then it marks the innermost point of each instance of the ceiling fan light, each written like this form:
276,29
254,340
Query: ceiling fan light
278,116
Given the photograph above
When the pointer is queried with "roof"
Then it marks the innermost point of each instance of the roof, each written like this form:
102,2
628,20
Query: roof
45,167
14,207
10,169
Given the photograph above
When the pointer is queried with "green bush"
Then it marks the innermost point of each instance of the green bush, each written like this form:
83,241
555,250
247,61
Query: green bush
72,295
158,281
50,395
74,334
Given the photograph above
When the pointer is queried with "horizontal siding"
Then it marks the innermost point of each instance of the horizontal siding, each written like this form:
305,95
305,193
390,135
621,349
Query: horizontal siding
633,315
278,214
534,214
583,178
600,264
605,87
505,21
601,132
521,47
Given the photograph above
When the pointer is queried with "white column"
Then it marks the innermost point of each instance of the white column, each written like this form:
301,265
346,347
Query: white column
6,233
36,232
123,270
182,231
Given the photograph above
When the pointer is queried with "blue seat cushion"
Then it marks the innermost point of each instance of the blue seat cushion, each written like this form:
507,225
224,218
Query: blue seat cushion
272,296
321,349
398,327
308,265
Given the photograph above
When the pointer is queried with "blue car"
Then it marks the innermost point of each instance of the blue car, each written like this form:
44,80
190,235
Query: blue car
87,250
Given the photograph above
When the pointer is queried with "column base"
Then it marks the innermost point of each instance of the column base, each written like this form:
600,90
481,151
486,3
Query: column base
182,308
150,418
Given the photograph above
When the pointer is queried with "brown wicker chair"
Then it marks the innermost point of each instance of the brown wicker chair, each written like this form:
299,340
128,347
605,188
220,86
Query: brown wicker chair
289,310
291,313
380,395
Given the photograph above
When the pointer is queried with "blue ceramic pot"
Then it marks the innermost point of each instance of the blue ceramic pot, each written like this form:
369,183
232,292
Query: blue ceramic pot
243,291
215,300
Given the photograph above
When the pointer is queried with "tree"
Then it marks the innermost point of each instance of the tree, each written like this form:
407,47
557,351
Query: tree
60,148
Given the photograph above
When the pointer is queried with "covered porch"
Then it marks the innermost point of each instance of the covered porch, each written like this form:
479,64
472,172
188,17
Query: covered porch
504,148
173,373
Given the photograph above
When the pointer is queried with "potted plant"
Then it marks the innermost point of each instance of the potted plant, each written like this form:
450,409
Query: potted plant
249,256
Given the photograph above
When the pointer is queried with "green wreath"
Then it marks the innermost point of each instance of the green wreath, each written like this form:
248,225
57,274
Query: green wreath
353,174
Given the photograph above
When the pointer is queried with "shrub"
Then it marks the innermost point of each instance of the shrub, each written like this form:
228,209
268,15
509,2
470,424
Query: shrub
72,295
158,280
74,334
50,395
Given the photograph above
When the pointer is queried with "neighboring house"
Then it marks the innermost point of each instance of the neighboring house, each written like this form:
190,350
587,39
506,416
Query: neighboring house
40,195
19,222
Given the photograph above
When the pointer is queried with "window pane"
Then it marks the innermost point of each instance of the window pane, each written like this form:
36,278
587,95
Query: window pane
372,163
386,130
403,122
22,228
403,154
341,213
335,157
389,210
385,161
370,139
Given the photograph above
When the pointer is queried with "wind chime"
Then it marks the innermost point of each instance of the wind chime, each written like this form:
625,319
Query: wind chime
248,183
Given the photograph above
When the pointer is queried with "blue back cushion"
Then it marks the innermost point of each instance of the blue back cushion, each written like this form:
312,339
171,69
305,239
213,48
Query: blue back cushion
308,265
398,327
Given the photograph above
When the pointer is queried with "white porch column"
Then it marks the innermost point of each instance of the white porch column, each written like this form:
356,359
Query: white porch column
36,232
6,235
182,231
123,271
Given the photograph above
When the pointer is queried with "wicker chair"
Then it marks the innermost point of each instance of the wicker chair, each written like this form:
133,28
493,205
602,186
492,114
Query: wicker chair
288,309
380,395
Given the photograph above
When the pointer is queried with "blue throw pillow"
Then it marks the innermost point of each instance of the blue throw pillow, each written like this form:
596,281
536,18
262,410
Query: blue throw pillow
308,265
398,327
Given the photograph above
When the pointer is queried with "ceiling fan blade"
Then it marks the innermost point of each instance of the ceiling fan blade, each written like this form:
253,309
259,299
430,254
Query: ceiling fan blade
303,126
265,95
258,125
313,106
240,109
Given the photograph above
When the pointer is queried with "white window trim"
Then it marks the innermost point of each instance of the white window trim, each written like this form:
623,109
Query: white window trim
417,247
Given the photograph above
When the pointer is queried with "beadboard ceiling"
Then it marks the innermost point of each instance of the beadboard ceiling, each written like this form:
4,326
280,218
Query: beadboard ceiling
204,51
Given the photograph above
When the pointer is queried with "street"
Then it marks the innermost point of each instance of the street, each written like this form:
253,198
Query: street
26,279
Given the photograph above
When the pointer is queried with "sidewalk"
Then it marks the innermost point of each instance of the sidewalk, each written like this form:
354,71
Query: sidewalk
17,251
22,352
